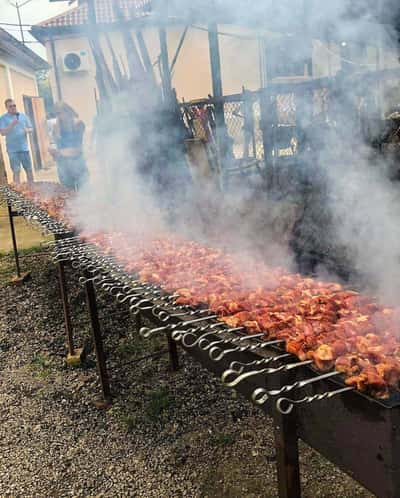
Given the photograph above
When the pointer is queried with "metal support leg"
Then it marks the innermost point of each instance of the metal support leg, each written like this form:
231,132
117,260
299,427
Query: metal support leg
67,315
14,240
74,354
173,353
98,342
20,277
287,454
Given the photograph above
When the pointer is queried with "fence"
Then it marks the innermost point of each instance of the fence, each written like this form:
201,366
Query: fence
266,126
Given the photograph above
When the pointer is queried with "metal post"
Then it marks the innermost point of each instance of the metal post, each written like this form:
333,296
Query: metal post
173,353
97,339
20,23
287,454
67,315
14,240
92,16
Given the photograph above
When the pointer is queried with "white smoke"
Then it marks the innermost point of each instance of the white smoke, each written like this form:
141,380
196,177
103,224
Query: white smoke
365,205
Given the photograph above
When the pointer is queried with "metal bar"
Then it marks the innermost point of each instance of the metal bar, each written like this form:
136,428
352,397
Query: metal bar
179,48
145,55
11,215
287,455
98,341
67,314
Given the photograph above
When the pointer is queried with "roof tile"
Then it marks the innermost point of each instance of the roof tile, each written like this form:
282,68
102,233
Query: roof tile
104,13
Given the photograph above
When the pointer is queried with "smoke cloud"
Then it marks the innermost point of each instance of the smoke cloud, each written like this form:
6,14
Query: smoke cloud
355,192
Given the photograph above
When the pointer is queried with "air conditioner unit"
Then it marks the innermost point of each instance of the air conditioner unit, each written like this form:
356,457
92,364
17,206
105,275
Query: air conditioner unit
73,62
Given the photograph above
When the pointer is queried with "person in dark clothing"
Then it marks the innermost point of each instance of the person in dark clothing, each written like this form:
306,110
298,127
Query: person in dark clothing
68,137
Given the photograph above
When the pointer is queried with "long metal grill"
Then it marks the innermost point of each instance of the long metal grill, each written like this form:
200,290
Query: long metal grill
261,370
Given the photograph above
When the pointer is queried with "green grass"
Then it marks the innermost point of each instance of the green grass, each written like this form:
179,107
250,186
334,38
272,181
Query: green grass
7,262
24,251
223,439
132,346
129,422
4,346
159,403
27,236
7,270
42,366
154,409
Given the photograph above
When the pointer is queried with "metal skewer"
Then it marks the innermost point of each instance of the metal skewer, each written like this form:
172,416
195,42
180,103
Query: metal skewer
230,378
240,367
260,396
290,403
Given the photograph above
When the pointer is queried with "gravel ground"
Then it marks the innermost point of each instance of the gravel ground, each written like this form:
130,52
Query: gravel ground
166,435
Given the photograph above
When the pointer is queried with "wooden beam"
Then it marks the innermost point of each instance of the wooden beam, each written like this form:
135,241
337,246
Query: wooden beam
165,70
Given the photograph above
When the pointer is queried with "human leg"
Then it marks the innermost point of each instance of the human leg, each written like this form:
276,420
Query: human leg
25,159
15,165
63,171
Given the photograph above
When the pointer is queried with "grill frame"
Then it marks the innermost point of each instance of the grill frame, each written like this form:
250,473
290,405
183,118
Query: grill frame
372,426
364,442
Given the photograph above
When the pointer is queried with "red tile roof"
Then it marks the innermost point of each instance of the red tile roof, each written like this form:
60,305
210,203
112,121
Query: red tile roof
104,13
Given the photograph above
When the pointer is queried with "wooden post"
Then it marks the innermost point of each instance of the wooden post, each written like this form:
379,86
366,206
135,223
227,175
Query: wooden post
216,76
55,69
164,59
215,60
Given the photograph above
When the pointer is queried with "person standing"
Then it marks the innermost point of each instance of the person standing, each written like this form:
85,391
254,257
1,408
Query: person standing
68,134
16,127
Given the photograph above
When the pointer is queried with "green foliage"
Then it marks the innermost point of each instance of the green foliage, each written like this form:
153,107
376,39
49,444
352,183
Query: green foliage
160,402
42,365
129,421
42,78
130,347
223,439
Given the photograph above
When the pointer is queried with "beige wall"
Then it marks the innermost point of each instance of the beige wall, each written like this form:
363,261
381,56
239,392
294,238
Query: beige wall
3,96
191,77
22,85
240,60
192,74
78,89
16,85
240,64
4,91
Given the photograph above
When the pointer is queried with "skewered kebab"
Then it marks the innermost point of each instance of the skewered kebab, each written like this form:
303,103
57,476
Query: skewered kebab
333,327
320,321
49,196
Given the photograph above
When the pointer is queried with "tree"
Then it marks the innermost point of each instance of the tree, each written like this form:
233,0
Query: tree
42,78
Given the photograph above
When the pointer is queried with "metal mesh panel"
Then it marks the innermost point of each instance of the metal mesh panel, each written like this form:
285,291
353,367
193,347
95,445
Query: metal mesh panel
286,109
243,121
259,145
234,119
321,101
